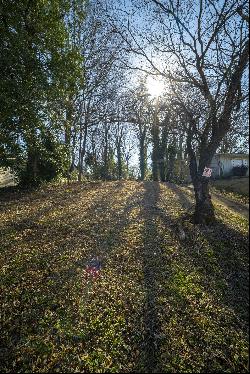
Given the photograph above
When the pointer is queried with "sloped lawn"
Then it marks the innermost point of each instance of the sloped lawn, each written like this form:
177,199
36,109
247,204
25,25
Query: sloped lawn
169,297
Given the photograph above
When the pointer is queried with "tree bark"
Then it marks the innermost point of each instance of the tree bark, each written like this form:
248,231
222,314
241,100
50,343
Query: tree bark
143,158
204,209
162,154
119,158
67,137
32,167
171,162
73,156
155,152
142,150
105,153
82,151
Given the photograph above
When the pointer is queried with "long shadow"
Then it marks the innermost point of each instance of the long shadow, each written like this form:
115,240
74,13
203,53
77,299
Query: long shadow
159,276
16,193
153,265
104,249
60,200
224,274
60,197
229,262
220,255
60,237
235,206
184,200
65,278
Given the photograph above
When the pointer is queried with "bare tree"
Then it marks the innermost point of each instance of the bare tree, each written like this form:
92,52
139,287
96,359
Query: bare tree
140,113
201,49
100,48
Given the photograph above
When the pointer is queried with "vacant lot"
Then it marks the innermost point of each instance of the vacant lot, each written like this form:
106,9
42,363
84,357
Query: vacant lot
169,298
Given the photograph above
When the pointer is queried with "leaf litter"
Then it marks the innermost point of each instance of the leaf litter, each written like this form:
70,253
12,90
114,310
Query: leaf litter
108,277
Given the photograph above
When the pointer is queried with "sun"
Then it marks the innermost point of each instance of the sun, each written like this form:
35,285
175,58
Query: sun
155,86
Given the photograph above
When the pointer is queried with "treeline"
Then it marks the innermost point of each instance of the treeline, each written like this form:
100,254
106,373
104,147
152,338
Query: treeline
137,136
41,72
66,109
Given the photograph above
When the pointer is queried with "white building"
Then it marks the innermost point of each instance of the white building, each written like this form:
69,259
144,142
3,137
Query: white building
223,163
6,178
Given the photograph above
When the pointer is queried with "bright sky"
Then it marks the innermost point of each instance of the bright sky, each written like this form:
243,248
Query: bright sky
155,86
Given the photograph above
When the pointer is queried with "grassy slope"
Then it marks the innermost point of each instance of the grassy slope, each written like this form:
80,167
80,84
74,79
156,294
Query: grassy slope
238,186
163,303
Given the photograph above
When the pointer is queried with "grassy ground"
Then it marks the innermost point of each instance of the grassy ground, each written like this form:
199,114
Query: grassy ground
170,297
233,203
238,187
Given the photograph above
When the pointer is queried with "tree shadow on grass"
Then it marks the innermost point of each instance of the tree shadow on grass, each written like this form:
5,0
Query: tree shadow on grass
184,200
16,193
53,289
219,252
218,257
209,269
153,268
164,340
230,251
57,201
60,285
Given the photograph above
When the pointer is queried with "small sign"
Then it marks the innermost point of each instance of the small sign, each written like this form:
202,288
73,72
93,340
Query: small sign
207,172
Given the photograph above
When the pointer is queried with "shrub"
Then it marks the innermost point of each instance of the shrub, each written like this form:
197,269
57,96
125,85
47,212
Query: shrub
240,171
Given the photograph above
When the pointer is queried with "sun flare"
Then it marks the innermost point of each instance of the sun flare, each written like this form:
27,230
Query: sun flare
155,86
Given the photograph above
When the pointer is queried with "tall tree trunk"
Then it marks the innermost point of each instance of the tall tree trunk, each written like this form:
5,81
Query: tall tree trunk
119,160
73,155
155,152
143,158
105,152
82,151
180,158
67,136
156,143
162,154
79,154
171,161
32,169
32,166
204,209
